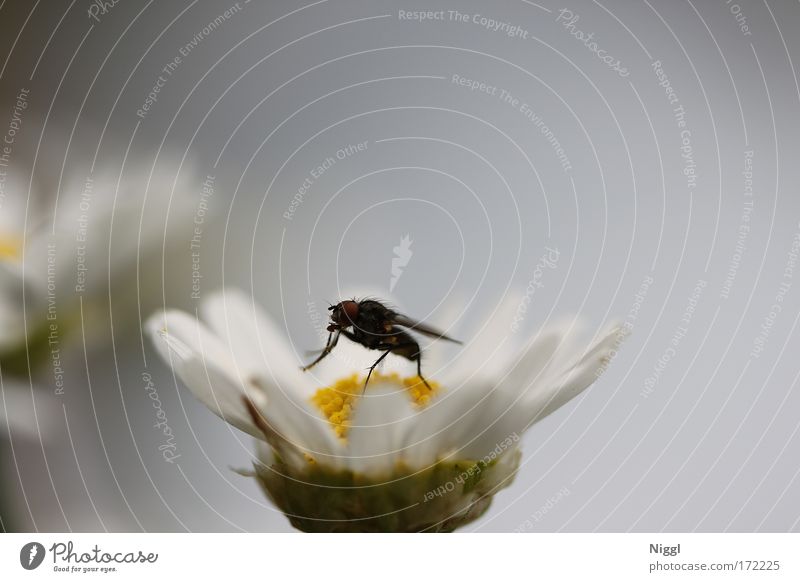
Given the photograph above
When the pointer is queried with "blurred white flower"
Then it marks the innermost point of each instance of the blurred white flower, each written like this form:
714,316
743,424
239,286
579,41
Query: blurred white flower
401,457
68,252
25,412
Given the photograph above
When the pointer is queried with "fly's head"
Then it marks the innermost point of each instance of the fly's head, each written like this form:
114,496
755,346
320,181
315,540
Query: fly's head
343,315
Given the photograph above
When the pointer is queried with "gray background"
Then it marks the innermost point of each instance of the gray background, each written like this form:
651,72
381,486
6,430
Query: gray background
280,86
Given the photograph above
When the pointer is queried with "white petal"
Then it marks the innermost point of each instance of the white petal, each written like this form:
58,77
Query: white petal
573,380
199,359
549,351
254,341
439,429
501,420
507,412
264,454
375,439
490,349
297,422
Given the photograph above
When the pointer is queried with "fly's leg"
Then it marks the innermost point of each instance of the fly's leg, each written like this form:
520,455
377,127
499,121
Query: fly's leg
372,367
409,350
332,339
419,371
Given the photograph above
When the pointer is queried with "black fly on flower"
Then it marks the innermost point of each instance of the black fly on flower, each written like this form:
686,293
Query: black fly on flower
377,327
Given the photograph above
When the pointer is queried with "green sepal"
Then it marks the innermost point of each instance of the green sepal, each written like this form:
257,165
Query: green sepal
440,498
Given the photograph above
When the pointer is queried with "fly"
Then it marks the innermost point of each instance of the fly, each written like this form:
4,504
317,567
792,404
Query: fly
377,327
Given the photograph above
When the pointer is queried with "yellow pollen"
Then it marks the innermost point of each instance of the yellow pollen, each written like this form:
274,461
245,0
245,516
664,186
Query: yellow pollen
10,247
338,402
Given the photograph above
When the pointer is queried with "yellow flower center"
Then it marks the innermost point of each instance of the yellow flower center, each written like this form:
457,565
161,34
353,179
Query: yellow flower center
338,402
10,247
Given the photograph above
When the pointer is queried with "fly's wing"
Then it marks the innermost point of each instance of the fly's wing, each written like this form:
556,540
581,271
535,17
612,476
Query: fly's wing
405,321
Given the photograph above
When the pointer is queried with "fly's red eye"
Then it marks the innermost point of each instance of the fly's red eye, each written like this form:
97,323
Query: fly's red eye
350,309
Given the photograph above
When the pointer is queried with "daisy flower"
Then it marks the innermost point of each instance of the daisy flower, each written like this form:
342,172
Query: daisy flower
62,246
399,457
